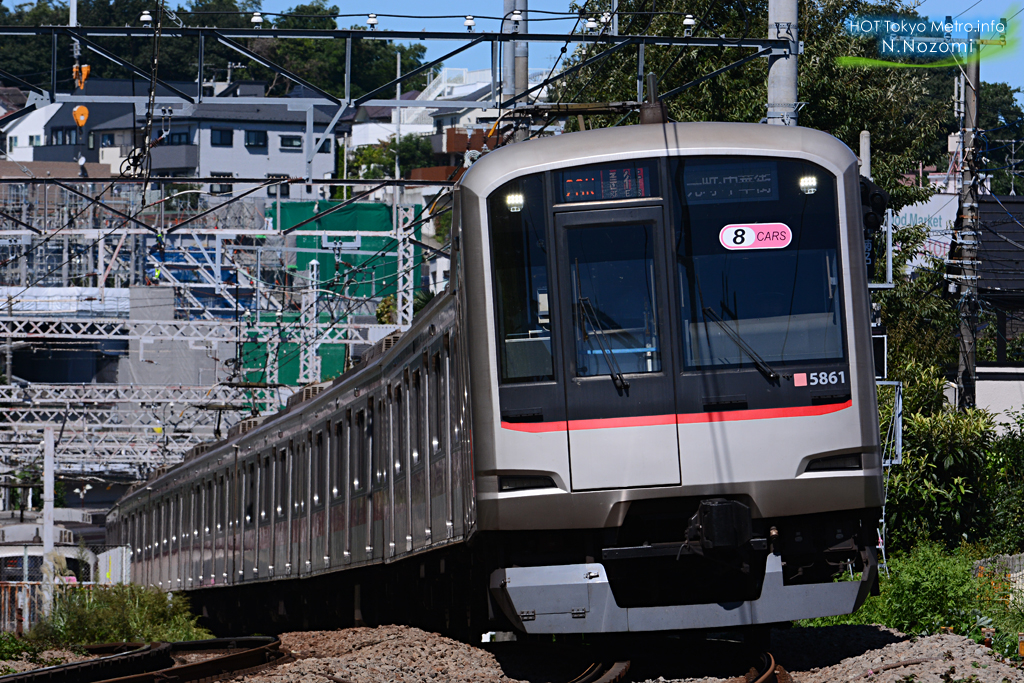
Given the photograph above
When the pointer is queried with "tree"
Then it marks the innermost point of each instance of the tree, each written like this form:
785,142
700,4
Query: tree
378,161
321,62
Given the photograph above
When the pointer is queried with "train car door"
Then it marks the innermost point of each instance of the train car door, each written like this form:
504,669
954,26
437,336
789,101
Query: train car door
619,377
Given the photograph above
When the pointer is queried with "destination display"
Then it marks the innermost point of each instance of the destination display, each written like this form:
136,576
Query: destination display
606,182
721,183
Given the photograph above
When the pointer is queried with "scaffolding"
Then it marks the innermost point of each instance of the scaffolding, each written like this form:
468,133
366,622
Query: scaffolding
268,294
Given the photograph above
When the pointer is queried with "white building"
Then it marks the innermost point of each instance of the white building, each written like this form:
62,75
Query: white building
27,132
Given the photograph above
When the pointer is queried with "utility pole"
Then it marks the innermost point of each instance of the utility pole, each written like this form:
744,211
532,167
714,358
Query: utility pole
522,67
782,69
967,236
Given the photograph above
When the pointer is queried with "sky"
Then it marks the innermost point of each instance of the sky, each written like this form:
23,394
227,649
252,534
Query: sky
998,64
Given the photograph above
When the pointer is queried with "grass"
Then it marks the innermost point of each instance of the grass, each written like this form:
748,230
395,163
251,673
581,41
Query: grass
88,615
930,588
13,648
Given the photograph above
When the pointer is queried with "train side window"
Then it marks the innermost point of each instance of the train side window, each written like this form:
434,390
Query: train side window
168,539
222,500
435,405
280,485
398,411
265,474
519,253
338,459
318,466
358,445
415,409
208,508
294,461
454,389
229,493
302,480
164,518
380,469
250,499
197,510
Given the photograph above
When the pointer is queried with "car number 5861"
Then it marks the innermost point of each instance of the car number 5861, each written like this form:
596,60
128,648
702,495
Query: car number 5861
826,377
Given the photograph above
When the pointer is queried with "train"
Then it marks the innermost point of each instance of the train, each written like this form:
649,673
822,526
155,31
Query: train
645,402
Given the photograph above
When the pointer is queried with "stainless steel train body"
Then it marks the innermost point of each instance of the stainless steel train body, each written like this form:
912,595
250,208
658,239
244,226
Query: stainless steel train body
645,402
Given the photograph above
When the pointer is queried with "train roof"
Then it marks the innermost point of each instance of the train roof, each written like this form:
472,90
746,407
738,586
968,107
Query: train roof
671,139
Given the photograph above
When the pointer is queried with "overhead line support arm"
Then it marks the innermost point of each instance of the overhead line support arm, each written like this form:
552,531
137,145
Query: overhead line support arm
274,67
103,52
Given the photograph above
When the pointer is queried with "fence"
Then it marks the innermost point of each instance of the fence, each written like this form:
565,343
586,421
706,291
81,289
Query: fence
1010,567
24,583
21,605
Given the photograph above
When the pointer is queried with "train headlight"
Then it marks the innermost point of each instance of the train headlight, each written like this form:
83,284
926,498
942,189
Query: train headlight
514,201
809,184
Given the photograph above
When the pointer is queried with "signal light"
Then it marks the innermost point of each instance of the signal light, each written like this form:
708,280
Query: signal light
874,201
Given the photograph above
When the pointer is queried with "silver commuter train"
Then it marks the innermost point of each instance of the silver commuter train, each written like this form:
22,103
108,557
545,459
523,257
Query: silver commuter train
645,402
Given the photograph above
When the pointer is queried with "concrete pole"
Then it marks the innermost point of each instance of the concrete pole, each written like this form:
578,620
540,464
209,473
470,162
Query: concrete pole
508,66
522,50
48,466
522,64
398,141
398,113
782,70
967,238
865,154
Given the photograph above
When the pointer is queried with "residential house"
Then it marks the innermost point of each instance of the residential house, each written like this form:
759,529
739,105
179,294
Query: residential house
230,141
11,100
22,134
65,140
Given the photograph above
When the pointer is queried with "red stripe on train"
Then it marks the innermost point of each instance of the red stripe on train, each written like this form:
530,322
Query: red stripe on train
688,418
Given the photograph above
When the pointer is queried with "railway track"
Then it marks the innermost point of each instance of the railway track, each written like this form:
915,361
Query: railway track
768,671
164,662
603,673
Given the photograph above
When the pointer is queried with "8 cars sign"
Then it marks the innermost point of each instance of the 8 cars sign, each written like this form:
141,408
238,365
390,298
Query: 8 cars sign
756,236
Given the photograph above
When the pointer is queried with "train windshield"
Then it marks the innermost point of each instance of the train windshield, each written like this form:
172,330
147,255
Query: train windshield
757,261
520,253
615,323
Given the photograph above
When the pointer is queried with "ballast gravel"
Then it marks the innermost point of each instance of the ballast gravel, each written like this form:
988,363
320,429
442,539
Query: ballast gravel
838,654
44,659
875,654
374,655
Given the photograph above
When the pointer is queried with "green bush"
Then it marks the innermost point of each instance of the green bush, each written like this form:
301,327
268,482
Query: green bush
1004,479
930,588
85,615
13,648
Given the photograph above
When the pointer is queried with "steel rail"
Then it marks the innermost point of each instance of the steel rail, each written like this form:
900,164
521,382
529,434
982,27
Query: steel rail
156,662
603,673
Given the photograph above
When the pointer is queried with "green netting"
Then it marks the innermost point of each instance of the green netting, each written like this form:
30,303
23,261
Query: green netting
363,273
370,271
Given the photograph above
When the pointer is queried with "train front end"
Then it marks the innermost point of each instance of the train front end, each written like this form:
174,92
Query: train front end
674,421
